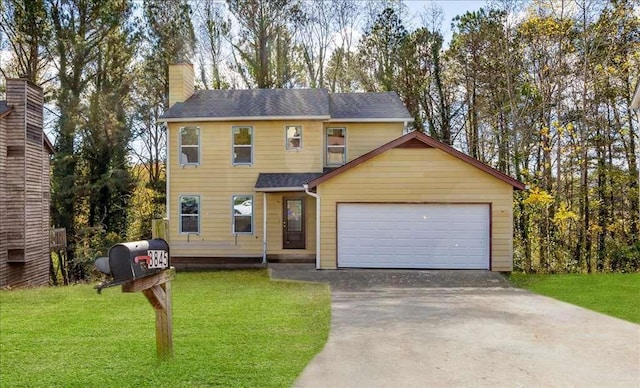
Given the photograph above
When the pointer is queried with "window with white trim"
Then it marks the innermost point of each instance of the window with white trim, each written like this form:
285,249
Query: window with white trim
294,137
242,214
242,145
189,146
336,154
189,207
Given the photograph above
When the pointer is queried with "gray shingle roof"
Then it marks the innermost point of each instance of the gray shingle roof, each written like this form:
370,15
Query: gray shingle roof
282,180
3,106
367,106
266,103
252,103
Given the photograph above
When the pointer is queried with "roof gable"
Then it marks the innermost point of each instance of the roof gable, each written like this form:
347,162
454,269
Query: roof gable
47,144
412,140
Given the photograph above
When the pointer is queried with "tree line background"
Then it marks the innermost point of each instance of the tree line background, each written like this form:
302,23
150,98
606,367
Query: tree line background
540,90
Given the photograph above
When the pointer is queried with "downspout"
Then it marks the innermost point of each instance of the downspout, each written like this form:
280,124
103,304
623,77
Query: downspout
264,227
167,177
317,197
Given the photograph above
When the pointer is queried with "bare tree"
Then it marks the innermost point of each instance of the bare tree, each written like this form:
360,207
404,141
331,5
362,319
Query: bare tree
263,39
318,25
213,32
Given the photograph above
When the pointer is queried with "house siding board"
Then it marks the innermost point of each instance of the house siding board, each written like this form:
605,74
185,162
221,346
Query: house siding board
3,208
24,197
421,176
216,180
364,137
16,166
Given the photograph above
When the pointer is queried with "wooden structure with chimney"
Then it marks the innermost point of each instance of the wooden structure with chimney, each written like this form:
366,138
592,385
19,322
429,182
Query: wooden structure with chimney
24,187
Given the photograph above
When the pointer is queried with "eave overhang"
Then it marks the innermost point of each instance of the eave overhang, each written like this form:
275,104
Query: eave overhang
242,118
47,144
6,112
370,120
278,189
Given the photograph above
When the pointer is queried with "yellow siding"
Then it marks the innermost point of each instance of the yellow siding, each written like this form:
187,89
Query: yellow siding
398,175
365,137
275,220
419,175
216,180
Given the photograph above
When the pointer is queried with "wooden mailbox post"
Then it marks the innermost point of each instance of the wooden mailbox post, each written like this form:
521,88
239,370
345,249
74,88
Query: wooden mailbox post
157,289
144,266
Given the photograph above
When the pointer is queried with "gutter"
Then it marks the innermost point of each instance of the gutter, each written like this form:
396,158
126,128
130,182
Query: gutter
317,197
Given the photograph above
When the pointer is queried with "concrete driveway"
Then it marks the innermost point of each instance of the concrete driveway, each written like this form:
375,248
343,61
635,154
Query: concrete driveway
495,336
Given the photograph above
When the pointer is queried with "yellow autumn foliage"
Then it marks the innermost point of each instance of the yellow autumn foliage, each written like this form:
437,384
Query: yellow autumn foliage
563,216
538,197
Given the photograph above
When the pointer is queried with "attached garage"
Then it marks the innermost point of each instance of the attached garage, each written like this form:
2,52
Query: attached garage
438,236
415,203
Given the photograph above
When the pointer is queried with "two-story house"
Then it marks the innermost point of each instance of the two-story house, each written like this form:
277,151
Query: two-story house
331,177
24,187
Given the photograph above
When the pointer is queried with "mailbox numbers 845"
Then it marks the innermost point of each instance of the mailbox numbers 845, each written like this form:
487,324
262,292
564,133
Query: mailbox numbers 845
159,259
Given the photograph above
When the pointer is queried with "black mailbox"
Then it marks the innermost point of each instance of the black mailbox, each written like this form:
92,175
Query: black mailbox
133,260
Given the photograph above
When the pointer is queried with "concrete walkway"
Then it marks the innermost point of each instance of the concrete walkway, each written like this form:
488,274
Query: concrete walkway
429,336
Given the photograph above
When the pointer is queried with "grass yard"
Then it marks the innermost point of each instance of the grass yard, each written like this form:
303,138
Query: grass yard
230,328
613,294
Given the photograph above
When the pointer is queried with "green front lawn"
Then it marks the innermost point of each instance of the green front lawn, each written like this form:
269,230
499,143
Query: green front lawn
613,294
230,328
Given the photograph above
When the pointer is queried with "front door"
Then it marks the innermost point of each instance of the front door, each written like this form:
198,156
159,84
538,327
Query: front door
293,224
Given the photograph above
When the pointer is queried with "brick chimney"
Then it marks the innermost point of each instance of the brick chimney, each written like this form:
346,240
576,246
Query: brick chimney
180,82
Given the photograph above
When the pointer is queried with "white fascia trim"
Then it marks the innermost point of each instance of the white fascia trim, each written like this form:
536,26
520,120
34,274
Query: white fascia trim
276,189
380,120
243,118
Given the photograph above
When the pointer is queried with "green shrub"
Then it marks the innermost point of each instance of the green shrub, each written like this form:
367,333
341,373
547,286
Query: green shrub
91,244
625,258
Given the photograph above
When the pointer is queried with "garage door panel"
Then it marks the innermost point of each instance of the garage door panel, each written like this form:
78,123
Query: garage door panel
413,236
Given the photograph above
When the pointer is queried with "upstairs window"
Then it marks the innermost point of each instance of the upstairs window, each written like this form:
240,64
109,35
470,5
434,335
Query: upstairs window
189,146
242,145
336,146
243,214
294,137
189,213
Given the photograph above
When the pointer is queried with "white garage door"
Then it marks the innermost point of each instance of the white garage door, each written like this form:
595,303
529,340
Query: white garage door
441,236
